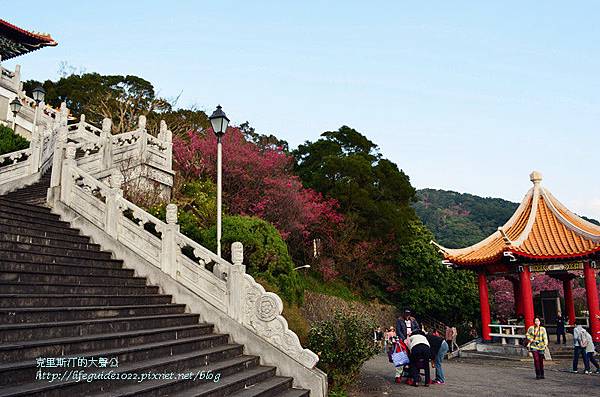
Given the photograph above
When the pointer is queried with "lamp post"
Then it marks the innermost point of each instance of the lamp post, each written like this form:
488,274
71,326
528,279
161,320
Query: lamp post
219,122
38,96
15,107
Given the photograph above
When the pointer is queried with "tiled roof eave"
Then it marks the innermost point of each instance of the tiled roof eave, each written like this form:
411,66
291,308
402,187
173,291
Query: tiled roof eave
575,255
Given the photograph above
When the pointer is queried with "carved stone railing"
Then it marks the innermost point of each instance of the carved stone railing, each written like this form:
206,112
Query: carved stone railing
225,286
23,167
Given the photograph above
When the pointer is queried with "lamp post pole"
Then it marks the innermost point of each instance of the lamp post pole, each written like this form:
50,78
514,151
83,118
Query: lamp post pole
219,192
219,122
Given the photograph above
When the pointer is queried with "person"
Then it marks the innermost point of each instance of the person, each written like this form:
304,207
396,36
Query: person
560,329
378,338
454,337
438,347
579,345
420,352
537,341
449,337
590,350
387,336
406,325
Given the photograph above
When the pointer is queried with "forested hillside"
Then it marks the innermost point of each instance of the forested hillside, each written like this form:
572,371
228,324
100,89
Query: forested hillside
460,219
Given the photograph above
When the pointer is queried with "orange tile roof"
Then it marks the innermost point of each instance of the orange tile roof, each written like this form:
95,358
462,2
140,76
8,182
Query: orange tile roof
541,228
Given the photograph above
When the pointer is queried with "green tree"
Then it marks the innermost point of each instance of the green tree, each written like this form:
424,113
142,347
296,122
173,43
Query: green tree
347,166
429,287
266,255
120,98
11,142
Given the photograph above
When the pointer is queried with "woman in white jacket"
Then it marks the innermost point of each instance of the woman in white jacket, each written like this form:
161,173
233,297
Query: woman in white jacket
590,349
419,353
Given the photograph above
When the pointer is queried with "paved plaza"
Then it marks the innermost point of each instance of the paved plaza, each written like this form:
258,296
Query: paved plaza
477,377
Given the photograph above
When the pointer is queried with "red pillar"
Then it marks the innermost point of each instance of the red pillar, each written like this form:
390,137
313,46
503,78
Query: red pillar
526,296
591,292
517,297
484,304
569,302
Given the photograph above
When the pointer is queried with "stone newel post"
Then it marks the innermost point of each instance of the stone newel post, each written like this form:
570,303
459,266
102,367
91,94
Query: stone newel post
169,244
113,216
66,183
143,136
106,142
235,282
166,136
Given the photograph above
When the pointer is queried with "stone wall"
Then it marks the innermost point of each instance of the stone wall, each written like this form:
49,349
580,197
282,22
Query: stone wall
318,307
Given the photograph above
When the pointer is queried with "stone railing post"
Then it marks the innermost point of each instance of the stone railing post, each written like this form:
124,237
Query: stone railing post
17,78
168,262
113,216
66,183
81,124
143,137
166,136
235,282
106,142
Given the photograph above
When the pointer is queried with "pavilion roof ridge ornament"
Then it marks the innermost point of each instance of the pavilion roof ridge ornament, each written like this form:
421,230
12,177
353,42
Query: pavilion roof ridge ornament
507,240
535,177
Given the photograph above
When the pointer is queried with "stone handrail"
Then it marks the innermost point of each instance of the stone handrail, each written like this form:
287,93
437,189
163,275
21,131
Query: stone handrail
26,166
508,331
224,285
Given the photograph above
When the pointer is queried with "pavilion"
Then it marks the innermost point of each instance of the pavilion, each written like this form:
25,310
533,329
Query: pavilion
15,41
541,236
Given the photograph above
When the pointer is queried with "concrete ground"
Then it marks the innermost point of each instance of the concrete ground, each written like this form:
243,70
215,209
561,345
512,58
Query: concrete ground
477,377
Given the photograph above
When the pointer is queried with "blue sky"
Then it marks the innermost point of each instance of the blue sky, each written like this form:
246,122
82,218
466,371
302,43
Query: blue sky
468,96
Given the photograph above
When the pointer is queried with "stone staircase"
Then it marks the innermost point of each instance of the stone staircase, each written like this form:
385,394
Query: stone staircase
62,296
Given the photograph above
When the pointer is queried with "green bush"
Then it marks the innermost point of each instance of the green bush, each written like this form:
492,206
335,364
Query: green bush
343,344
266,255
11,142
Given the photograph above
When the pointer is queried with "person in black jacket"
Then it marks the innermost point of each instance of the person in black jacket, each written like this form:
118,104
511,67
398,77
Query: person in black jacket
406,325
438,347
560,329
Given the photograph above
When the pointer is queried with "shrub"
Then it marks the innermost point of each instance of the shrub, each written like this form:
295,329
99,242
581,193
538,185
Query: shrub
266,255
11,142
343,344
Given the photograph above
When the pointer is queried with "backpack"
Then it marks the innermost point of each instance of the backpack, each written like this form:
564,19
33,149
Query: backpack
583,340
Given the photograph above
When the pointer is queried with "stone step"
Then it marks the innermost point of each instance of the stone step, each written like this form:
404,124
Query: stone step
27,218
295,393
27,210
50,278
269,387
64,329
226,386
29,230
54,268
19,315
17,204
74,346
177,355
21,237
70,288
32,224
35,257
231,380
45,249
224,369
54,300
